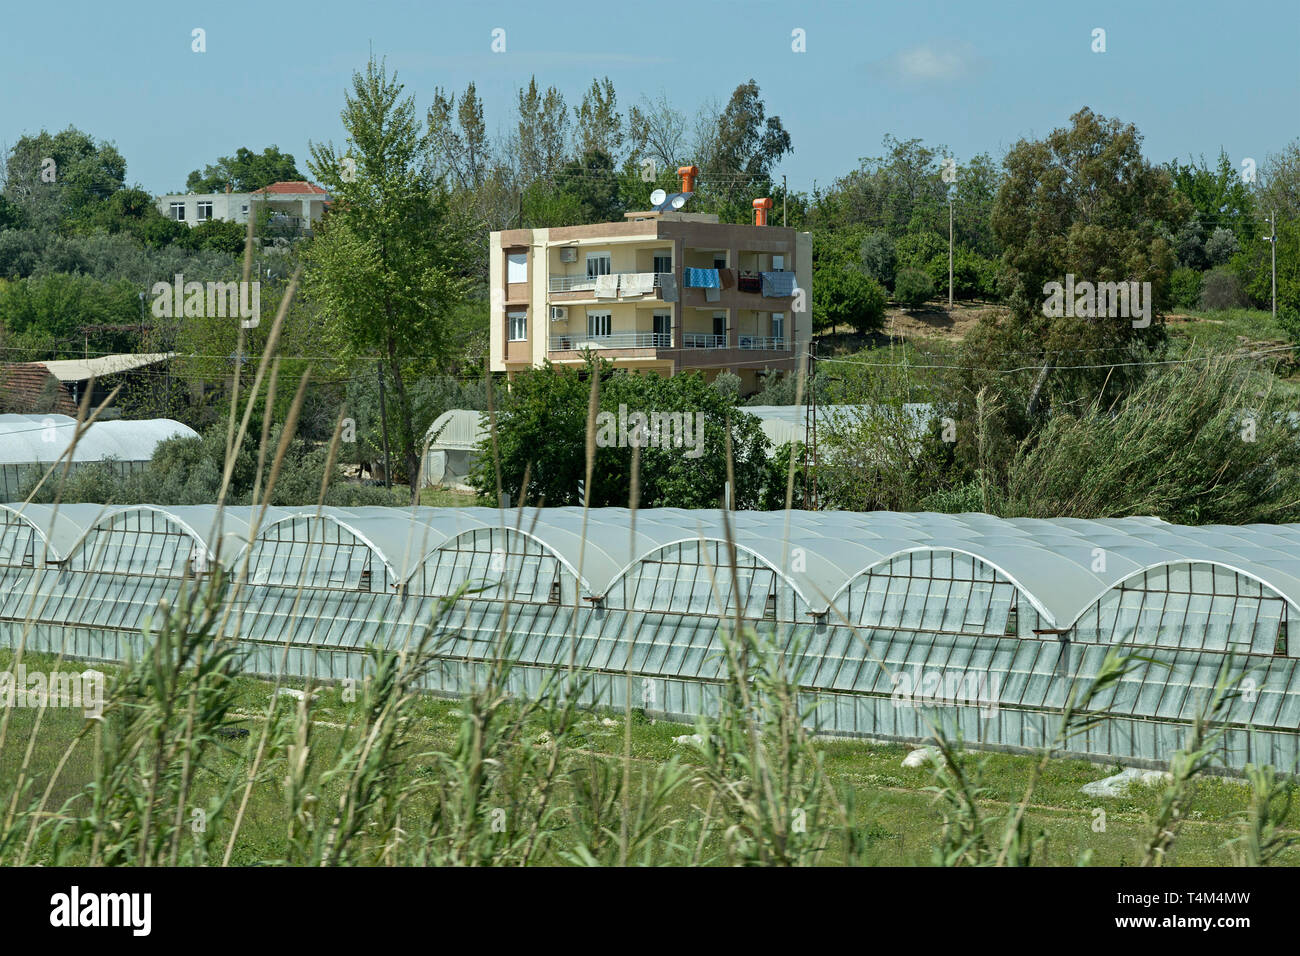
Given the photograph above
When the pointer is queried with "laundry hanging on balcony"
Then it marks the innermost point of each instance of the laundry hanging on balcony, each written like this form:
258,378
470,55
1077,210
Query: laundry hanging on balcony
727,278
712,294
668,287
778,284
638,283
701,279
606,286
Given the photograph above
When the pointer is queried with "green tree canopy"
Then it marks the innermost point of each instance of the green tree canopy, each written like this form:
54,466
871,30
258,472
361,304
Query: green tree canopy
244,172
385,266
542,429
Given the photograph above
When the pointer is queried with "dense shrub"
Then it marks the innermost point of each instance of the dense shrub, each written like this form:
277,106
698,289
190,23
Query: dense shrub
1221,289
913,287
1185,288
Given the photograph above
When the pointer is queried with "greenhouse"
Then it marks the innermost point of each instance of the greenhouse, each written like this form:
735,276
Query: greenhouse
29,444
888,620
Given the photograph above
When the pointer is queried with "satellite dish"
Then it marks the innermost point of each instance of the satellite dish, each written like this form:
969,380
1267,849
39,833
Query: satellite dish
679,201
657,197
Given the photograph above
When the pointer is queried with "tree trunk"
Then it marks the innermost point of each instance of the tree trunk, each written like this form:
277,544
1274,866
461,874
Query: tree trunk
405,426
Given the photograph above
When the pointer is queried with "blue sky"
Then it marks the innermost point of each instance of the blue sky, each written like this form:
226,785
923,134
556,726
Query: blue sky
1194,76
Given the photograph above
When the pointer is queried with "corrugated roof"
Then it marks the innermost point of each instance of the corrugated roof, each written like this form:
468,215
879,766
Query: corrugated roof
78,370
1061,566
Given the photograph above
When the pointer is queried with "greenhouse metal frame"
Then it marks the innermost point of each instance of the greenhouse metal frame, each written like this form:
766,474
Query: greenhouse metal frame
889,621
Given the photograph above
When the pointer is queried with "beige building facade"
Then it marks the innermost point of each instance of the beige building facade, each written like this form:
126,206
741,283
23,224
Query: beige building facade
662,292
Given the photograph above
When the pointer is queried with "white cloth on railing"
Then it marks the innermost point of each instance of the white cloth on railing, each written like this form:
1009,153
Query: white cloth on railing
606,286
712,294
638,283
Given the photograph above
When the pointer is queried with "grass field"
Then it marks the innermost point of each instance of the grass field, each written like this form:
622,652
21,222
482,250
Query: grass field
896,813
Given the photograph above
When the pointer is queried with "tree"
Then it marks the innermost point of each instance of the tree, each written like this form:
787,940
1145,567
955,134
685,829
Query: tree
1219,196
600,127
744,142
458,144
543,132
594,186
900,192
1221,246
657,131
879,259
53,176
245,172
1082,202
845,296
385,266
913,287
542,429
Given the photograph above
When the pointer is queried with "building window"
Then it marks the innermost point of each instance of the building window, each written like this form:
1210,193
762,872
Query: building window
663,330
178,211
517,267
778,263
518,326
720,323
719,260
598,324
778,325
598,264
663,263
205,211
244,209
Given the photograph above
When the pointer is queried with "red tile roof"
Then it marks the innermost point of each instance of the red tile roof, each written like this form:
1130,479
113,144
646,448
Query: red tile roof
296,189
23,387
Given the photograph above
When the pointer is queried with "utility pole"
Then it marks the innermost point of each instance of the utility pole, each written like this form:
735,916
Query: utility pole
1272,240
810,435
383,418
783,193
949,253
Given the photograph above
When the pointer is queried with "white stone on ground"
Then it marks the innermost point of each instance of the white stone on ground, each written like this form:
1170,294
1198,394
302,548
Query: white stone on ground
1118,785
295,694
919,758
689,739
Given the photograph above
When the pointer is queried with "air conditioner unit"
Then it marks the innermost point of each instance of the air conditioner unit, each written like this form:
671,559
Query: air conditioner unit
559,313
568,254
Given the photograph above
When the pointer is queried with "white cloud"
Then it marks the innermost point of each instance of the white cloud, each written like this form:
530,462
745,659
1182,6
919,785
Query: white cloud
928,63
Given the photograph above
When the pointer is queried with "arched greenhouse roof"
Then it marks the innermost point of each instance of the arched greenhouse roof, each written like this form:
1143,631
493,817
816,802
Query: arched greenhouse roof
41,439
1062,566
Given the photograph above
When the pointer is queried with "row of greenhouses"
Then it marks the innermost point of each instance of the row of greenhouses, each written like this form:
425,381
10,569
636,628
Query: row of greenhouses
891,622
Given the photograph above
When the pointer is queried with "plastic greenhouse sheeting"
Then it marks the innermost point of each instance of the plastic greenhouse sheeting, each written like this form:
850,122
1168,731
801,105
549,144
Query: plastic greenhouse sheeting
889,620
31,442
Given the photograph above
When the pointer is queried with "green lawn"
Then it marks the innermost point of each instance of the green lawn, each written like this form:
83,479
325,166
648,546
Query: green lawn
894,808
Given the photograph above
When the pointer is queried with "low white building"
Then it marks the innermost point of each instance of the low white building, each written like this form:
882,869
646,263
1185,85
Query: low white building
292,204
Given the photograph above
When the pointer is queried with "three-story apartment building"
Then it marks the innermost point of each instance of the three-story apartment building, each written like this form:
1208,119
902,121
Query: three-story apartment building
663,291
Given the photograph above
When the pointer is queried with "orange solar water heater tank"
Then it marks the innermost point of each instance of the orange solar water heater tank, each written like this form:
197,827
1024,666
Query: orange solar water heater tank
688,174
761,206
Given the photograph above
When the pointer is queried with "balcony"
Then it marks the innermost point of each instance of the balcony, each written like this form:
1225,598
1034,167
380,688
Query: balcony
615,340
701,340
647,283
764,342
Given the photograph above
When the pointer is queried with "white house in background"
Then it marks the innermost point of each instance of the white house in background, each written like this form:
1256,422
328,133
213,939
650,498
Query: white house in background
292,204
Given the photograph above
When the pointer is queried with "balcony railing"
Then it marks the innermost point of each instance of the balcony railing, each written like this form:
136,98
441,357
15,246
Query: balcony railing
615,340
588,283
699,340
770,342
